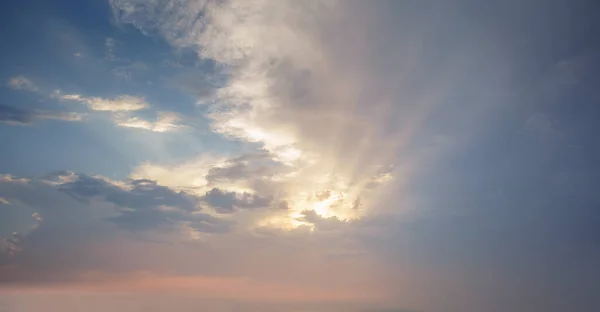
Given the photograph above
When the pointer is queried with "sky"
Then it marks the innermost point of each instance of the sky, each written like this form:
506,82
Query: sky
299,156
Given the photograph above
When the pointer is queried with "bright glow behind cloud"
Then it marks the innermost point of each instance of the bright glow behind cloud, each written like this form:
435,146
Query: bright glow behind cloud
165,122
310,100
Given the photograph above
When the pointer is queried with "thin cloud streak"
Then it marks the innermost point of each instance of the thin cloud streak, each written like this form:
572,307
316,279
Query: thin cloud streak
123,103
15,116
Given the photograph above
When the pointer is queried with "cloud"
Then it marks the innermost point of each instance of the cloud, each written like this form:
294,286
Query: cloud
135,194
13,115
168,20
331,114
94,229
321,223
14,244
245,167
254,172
122,109
165,122
16,116
189,175
21,83
229,202
145,205
67,203
166,218
123,103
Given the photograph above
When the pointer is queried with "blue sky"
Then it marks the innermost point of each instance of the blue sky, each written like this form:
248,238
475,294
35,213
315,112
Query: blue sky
299,155
77,48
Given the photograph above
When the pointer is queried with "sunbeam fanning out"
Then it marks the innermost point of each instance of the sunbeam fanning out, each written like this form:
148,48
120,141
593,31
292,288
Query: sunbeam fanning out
299,155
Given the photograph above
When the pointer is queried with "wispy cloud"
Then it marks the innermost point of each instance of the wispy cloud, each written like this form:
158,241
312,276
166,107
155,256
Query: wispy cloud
123,103
15,116
21,83
123,108
165,122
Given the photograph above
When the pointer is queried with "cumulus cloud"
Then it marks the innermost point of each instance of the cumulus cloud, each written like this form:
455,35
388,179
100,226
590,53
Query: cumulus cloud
21,83
15,116
123,103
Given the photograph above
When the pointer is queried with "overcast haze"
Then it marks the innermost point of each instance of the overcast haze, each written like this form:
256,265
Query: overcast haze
299,155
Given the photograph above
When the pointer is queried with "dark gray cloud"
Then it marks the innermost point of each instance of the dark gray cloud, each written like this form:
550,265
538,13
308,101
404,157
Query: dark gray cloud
65,207
145,205
246,167
15,116
153,219
90,223
228,202
143,194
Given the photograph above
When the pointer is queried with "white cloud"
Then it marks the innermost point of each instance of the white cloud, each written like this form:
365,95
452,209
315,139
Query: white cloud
301,85
189,175
122,109
165,122
123,103
21,83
